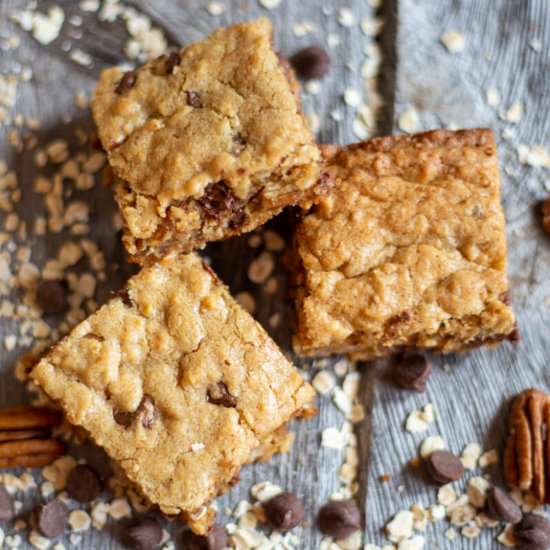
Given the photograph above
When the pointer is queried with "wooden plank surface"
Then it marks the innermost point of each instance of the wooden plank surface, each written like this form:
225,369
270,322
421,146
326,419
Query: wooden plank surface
445,89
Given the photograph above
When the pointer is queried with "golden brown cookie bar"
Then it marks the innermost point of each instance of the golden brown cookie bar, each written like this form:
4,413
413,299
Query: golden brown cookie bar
408,250
207,142
177,382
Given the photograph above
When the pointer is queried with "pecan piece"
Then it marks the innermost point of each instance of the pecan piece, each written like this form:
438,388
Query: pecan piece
527,448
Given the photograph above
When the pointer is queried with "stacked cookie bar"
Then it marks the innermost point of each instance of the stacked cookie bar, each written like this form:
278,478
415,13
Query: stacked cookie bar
401,245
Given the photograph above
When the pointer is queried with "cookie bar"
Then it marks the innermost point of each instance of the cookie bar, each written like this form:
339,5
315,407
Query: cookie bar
408,250
178,384
207,142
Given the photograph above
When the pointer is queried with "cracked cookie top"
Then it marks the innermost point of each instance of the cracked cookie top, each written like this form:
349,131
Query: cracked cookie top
220,109
408,248
176,381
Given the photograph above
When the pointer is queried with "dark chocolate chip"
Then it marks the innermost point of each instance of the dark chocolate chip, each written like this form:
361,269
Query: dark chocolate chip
218,394
124,295
83,483
127,82
444,467
194,99
284,511
171,61
51,518
501,507
218,199
339,518
145,534
146,412
216,539
6,505
311,62
412,372
533,533
51,297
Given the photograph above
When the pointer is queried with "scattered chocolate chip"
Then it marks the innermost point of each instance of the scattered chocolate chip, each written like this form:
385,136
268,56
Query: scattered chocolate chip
545,209
339,518
501,507
311,62
218,199
194,99
144,535
533,533
6,505
218,394
284,511
444,467
126,83
216,539
146,412
239,144
51,518
412,372
51,297
83,483
171,61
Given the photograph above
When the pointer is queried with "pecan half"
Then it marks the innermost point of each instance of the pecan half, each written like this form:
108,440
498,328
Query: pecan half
25,438
527,449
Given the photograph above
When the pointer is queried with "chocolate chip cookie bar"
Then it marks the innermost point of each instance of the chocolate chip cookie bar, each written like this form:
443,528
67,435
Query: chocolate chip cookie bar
177,383
408,250
206,142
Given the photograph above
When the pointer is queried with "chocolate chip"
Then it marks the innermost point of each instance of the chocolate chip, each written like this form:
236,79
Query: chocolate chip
501,507
126,83
51,297
239,144
51,518
412,372
216,539
339,518
146,412
218,394
194,99
311,62
533,533
514,336
144,535
83,483
6,505
284,511
172,60
124,295
444,467
218,199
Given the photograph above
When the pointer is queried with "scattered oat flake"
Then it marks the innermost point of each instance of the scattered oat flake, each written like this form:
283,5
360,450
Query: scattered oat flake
536,156
37,540
303,28
269,4
408,121
261,268
450,533
414,543
323,382
352,97
507,538
446,495
419,421
346,17
470,455
431,444
79,520
264,491
332,438
453,41
536,44
215,8
401,526
119,508
493,97
514,113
